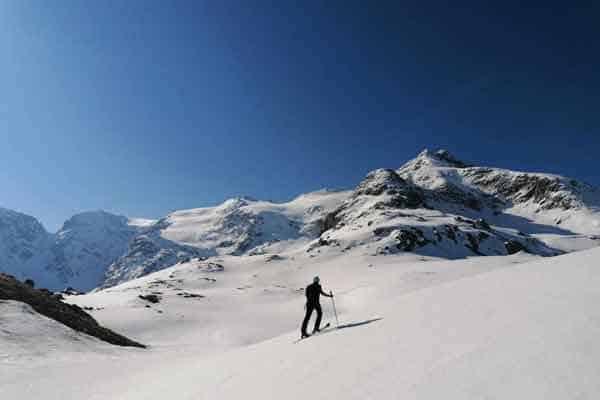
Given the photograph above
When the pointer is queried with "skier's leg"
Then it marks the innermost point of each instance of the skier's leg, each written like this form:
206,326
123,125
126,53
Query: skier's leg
319,316
309,310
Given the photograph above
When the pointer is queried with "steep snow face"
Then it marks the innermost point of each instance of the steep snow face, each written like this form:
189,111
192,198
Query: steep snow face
24,246
236,227
86,245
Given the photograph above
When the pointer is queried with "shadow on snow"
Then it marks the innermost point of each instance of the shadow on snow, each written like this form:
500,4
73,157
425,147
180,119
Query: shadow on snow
355,324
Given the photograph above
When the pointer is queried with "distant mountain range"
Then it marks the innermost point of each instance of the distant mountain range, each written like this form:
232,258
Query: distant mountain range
435,205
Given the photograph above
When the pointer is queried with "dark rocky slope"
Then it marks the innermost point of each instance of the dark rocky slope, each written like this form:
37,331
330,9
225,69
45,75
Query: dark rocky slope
51,306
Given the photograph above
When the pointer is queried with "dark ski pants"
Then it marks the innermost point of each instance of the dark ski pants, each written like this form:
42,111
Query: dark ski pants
309,309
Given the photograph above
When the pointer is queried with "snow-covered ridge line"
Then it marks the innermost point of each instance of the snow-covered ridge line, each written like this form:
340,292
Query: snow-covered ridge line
435,205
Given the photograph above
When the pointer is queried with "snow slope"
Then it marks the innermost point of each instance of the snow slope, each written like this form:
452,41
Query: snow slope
496,327
524,332
26,335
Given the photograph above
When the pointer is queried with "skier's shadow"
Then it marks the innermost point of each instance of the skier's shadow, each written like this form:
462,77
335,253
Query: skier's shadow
355,324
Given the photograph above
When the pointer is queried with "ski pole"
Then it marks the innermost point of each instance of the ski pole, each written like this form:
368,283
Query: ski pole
337,323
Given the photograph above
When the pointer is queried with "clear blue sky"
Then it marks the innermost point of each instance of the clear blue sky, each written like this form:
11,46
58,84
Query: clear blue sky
144,107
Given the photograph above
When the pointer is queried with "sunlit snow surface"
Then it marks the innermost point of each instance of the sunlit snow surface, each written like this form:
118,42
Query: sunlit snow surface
430,305
486,327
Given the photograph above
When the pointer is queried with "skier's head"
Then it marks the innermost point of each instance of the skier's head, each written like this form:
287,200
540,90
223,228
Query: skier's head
316,279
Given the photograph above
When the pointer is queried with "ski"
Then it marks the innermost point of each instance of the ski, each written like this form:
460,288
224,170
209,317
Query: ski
326,326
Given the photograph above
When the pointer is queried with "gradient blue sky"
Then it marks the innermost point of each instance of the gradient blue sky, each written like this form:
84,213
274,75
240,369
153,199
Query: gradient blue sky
143,107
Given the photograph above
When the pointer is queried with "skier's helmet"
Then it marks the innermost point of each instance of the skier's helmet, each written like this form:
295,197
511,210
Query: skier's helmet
316,279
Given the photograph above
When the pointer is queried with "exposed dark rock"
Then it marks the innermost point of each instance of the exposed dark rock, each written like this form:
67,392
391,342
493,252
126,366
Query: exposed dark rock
383,231
187,295
58,296
323,242
70,315
444,155
152,298
473,244
451,232
408,199
386,181
329,222
273,257
381,181
410,239
29,282
481,223
546,191
211,267
69,291
513,247
453,194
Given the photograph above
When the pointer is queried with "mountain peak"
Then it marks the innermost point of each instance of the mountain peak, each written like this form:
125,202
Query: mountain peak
442,158
94,218
238,201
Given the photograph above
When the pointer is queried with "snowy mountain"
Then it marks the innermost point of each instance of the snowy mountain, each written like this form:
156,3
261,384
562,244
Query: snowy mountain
24,246
541,198
394,215
236,227
434,205
77,255
86,244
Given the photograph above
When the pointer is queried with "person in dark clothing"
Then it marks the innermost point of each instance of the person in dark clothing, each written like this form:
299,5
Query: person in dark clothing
313,293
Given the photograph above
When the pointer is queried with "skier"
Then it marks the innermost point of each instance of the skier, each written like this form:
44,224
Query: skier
313,292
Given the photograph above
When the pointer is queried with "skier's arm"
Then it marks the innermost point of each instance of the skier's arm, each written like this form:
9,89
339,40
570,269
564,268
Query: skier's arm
326,294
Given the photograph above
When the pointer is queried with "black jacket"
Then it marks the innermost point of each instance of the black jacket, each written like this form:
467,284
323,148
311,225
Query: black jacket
313,292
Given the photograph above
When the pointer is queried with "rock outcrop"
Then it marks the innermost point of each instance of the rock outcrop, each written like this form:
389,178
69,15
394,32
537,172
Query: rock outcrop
51,306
